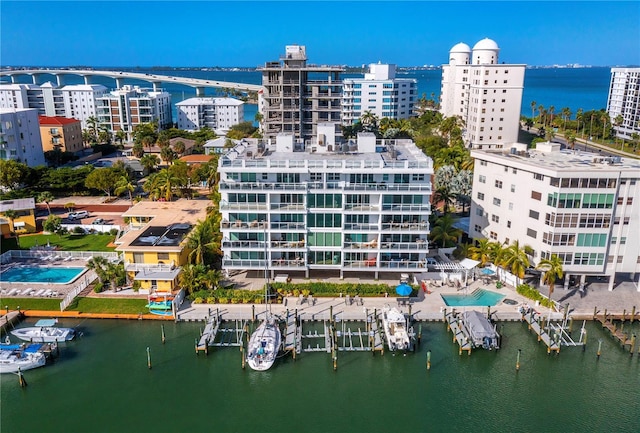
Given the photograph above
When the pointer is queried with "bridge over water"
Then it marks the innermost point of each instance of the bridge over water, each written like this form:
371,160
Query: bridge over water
120,76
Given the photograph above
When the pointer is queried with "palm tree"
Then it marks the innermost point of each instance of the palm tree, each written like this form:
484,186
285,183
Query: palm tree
165,181
149,161
566,115
46,197
580,119
92,126
571,139
552,269
99,265
167,154
483,251
634,139
445,195
193,278
552,109
120,136
200,242
179,147
541,113
124,184
445,231
11,215
533,108
515,260
605,118
617,121
369,121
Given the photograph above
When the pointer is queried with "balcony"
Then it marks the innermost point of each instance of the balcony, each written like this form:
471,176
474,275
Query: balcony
371,245
407,207
250,186
243,244
290,264
243,264
420,245
243,206
255,225
350,207
288,244
288,226
288,206
360,226
405,226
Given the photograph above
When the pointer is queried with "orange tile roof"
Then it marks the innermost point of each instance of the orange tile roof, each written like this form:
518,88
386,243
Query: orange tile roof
58,120
195,159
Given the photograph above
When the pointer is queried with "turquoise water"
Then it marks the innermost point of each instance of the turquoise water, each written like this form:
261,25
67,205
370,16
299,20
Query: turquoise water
41,274
479,297
101,383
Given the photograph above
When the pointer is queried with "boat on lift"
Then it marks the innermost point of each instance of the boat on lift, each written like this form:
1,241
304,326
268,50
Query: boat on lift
14,357
44,331
394,324
480,331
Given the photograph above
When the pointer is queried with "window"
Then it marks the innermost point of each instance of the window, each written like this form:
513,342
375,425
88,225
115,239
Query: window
163,256
480,196
513,188
592,239
532,233
498,183
483,163
508,224
497,201
510,206
536,195
495,218
629,200
482,179
477,228
533,214
538,176
479,211
493,235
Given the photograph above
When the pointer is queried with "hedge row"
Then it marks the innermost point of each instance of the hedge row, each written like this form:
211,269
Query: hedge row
533,294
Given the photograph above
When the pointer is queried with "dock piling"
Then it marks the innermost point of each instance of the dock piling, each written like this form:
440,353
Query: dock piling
599,350
428,360
148,358
518,361
633,344
21,379
163,337
633,313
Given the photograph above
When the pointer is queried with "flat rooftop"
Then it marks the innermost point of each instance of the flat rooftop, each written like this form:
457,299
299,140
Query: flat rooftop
170,223
389,153
561,161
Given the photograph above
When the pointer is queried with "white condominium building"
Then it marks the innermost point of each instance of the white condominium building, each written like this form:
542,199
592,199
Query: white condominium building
582,207
74,101
129,106
380,93
325,204
215,113
296,97
485,94
624,100
20,136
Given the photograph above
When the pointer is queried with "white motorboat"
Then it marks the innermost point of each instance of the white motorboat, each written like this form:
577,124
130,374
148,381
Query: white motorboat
44,332
14,357
264,345
395,329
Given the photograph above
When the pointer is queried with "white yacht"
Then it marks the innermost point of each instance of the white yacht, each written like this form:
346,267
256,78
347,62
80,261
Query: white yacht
264,345
395,329
14,357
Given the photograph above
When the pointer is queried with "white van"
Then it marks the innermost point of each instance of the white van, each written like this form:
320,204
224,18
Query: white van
78,215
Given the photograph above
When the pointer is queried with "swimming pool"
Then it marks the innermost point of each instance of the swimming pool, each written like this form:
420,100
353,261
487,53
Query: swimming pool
478,298
41,274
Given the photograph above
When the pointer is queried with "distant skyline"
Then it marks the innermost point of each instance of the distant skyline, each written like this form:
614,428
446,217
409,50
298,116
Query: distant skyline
244,33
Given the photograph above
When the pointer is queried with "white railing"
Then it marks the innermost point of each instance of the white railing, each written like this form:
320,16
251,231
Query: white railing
88,278
160,267
48,253
102,228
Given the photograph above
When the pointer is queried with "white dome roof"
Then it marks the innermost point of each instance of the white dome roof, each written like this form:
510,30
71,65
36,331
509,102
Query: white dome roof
460,48
486,44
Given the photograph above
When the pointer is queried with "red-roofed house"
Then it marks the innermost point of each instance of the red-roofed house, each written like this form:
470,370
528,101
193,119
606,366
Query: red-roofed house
62,133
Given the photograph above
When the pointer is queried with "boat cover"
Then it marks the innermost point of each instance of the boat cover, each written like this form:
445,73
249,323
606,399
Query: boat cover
478,325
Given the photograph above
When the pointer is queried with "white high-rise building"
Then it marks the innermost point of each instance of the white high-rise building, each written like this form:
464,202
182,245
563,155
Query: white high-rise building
124,108
484,93
624,100
215,113
76,101
325,205
380,93
20,136
580,206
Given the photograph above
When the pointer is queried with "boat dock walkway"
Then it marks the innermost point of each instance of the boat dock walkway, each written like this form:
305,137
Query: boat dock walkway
625,339
208,335
7,320
535,322
459,333
293,333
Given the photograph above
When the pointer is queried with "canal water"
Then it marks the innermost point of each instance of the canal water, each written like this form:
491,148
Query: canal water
101,383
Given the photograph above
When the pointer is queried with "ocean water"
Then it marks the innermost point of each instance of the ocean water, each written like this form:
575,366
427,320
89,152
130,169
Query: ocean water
575,88
101,383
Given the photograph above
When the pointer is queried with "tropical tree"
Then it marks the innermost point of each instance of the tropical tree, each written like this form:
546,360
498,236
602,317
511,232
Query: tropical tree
11,215
120,136
46,197
92,127
369,122
98,264
138,150
444,195
444,231
541,113
484,251
149,161
566,115
192,277
103,179
580,119
12,173
52,224
179,147
604,117
551,111
533,108
124,184
571,139
147,141
617,121
167,154
635,137
165,181
200,242
552,269
514,259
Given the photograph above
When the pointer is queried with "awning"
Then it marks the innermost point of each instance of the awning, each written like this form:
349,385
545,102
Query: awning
469,263
18,224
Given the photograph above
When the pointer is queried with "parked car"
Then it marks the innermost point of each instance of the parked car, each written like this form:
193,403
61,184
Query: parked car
431,261
98,221
78,215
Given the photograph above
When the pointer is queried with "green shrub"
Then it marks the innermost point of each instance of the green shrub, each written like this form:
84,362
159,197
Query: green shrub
533,294
198,300
78,230
98,287
113,232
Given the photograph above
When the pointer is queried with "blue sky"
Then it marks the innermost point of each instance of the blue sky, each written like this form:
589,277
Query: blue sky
244,33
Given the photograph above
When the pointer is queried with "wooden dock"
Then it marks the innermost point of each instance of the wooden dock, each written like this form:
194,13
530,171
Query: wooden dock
625,340
458,335
7,320
535,322
293,334
208,335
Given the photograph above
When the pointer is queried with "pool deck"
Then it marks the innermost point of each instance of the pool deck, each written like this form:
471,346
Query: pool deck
40,290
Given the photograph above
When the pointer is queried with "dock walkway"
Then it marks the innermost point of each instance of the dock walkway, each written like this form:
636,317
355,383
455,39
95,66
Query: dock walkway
535,322
459,334
625,340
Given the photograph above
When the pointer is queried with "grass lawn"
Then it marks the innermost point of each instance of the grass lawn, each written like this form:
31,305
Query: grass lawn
84,305
30,304
69,242
104,305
